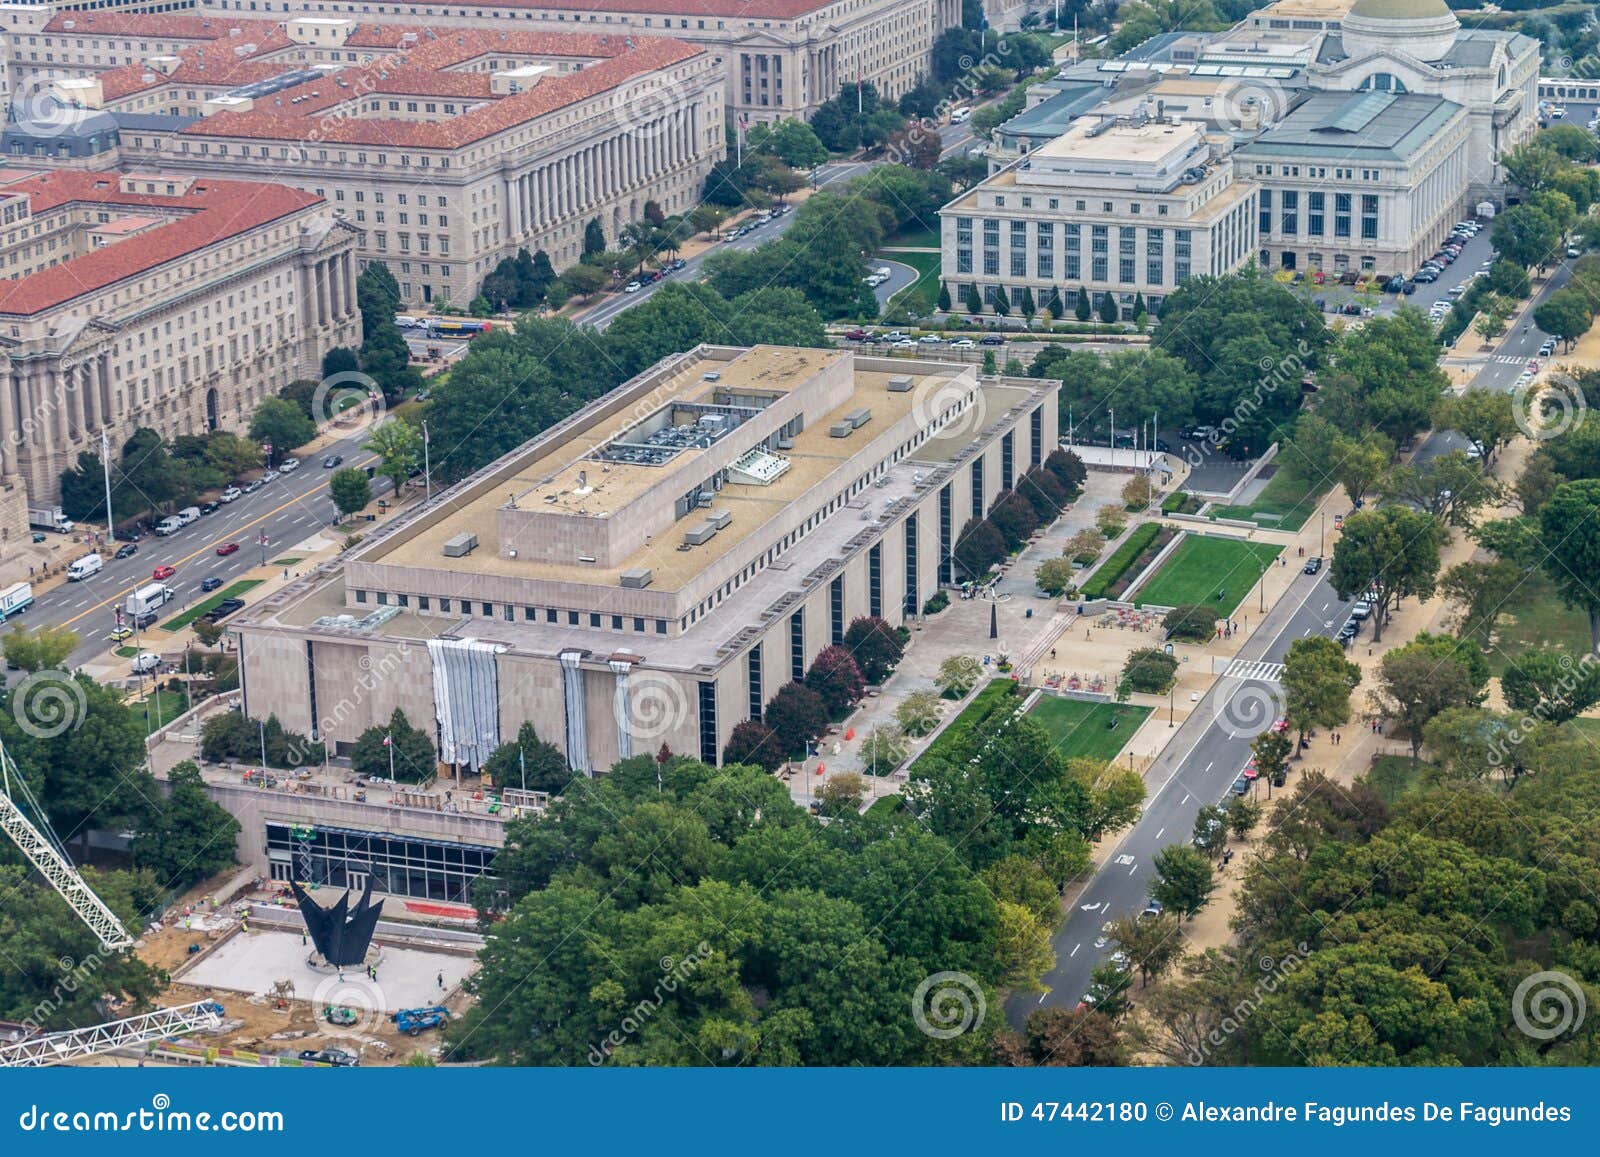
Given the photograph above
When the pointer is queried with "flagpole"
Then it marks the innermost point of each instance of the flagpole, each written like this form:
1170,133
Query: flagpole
105,462
427,468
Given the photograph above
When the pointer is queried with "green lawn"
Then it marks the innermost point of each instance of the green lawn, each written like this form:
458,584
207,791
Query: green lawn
1535,617
233,590
914,236
922,295
1082,730
884,806
1284,502
996,698
285,561
1203,566
171,706
125,652
1391,776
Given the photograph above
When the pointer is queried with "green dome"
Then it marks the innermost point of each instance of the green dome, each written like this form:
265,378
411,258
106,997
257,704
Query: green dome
1400,9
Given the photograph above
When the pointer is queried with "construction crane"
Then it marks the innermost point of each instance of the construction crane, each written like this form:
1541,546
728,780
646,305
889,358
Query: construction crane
45,853
58,1048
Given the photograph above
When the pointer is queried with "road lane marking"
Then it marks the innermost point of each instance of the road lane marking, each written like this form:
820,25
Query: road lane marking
1074,951
211,546
1161,833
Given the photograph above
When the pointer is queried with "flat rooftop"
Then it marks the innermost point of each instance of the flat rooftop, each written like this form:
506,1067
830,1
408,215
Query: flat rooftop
1147,143
552,472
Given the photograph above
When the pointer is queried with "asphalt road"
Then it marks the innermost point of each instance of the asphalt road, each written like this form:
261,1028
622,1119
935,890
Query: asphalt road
1198,767
288,509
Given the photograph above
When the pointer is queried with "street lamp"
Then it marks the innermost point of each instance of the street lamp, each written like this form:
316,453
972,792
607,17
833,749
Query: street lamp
1170,708
1322,532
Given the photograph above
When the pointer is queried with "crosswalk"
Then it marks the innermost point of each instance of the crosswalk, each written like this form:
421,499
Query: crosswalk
1263,672
1510,359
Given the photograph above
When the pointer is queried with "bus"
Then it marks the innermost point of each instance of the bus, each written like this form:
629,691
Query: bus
454,328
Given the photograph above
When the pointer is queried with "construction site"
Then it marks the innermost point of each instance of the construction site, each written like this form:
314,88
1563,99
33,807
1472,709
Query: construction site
258,975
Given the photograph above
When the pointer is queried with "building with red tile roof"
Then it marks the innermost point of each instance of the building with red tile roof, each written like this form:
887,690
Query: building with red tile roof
153,300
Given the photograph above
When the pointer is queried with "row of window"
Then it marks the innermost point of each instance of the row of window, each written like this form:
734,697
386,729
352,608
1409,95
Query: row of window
1072,267
1316,214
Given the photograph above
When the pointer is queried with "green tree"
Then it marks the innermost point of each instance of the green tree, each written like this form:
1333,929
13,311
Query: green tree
1389,553
188,837
798,716
527,761
41,648
338,360
1416,683
594,238
1081,308
1153,945
398,446
1570,525
1023,949
958,675
943,301
1054,575
1550,685
1109,313
753,742
350,490
1565,314
1183,880
1359,464
974,300
1272,749
1525,235
979,548
399,745
1317,682
918,713
1191,622
876,646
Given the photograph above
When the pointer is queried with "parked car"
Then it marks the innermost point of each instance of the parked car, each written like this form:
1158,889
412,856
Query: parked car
1548,348
632,287
223,609
127,550
991,339
210,583
1241,785
269,476
210,507
252,487
163,571
291,464
1313,564
856,335
231,494
931,339
332,460
227,548
963,343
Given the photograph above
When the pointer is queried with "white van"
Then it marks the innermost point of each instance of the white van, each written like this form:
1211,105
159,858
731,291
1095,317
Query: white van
188,514
169,525
84,567
145,662
960,115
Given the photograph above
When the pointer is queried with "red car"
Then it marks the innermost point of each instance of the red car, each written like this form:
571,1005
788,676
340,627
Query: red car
163,572
227,548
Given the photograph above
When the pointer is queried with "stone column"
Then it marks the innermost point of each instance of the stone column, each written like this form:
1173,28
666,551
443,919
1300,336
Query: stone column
10,435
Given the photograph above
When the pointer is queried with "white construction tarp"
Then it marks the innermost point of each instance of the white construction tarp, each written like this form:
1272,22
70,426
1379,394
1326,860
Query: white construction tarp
466,699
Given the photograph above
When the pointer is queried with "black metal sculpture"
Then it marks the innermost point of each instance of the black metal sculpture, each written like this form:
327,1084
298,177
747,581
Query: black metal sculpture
342,935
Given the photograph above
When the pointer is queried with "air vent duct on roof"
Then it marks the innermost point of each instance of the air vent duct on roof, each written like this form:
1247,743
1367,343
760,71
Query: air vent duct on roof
461,545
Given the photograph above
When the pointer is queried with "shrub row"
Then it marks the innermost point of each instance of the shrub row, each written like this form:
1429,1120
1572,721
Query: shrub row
1121,559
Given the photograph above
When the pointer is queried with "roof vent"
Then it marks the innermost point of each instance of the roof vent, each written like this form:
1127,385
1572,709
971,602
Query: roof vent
900,385
636,579
460,545
711,376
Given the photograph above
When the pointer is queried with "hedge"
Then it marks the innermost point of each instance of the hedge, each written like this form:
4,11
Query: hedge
999,696
1121,559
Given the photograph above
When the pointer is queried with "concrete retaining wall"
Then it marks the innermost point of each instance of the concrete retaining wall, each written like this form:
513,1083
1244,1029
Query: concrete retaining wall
1155,564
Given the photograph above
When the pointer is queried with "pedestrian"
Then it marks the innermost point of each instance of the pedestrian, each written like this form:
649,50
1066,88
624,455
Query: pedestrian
441,980
302,937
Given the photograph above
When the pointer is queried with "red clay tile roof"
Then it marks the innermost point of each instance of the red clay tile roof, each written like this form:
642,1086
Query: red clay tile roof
281,117
163,26
129,79
212,211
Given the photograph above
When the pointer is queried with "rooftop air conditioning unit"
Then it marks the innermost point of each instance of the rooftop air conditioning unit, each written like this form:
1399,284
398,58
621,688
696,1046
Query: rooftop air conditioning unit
900,385
711,376
636,579
460,545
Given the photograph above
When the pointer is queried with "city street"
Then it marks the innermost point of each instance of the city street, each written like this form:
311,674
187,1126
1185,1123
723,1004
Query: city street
288,509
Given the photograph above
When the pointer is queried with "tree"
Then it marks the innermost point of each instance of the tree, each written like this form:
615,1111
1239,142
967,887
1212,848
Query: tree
1416,683
1392,553
876,646
792,141
397,745
1549,684
1358,465
1272,749
958,675
1013,516
835,676
1525,235
943,300
1109,313
208,632
1139,492
594,238
1565,314
1243,815
41,648
979,548
1152,944
1317,681
188,837
1191,622
1210,829
398,446
1479,589
974,300
882,750
1001,302
1044,492
842,794
1570,525
753,742
1022,948
1081,308
798,716
918,713
338,360
1149,669
384,354
350,490
1028,307
1385,375
1068,469
1054,576
1183,879
527,761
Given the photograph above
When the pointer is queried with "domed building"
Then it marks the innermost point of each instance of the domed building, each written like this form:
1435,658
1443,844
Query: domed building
1418,46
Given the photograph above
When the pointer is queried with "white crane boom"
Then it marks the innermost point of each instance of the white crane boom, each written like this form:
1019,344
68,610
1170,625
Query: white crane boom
60,1047
54,866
